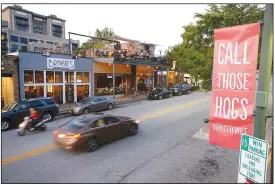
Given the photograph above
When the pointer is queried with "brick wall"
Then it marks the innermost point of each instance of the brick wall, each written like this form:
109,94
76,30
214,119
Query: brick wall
10,65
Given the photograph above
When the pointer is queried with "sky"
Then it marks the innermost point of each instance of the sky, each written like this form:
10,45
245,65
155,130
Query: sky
158,24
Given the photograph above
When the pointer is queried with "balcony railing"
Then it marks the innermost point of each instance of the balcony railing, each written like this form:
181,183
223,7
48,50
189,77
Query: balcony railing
22,23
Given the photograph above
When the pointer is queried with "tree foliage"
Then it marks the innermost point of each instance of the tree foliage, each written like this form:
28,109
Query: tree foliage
195,54
105,33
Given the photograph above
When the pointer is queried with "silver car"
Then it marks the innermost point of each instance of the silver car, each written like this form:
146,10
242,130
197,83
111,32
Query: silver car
92,104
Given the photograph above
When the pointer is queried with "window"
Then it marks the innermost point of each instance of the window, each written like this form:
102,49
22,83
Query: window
96,100
3,36
36,103
48,42
76,124
102,99
79,77
98,123
24,48
57,35
49,101
22,29
86,78
50,76
14,47
111,120
57,28
22,106
32,40
13,38
34,91
66,77
23,40
71,74
28,77
39,77
58,77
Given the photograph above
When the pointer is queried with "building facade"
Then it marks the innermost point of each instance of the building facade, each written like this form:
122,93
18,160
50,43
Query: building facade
29,31
9,80
59,76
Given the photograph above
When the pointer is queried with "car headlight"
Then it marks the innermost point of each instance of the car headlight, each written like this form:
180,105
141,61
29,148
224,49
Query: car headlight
156,95
77,109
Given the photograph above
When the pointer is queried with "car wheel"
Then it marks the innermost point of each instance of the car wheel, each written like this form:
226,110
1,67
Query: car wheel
133,130
160,97
86,111
5,125
49,115
170,95
188,91
110,106
179,93
92,145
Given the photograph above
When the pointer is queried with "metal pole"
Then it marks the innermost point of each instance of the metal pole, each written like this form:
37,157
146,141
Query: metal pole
264,74
149,79
114,80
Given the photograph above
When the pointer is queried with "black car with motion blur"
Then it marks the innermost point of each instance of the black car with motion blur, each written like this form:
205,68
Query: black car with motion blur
159,94
14,113
90,131
180,89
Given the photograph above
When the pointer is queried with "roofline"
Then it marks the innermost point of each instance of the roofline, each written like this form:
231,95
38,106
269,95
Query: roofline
35,14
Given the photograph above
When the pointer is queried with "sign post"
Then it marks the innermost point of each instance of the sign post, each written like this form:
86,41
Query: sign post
253,160
233,84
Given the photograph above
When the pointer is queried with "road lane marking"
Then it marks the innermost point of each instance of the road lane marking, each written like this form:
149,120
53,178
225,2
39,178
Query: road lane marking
44,149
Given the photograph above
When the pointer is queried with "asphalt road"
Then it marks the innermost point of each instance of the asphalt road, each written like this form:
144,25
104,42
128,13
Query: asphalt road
163,151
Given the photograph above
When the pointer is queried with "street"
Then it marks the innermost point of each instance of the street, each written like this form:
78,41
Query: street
163,151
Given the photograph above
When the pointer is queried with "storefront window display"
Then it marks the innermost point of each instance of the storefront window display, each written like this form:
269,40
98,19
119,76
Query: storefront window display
54,85
39,76
143,82
28,77
34,91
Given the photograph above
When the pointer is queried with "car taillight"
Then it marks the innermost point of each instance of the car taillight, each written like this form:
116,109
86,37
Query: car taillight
57,105
72,136
55,132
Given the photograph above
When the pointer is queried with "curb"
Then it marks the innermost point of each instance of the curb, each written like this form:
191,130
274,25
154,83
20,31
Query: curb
66,113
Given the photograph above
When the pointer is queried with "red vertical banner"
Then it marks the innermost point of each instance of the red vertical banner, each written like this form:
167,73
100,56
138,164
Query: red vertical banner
233,84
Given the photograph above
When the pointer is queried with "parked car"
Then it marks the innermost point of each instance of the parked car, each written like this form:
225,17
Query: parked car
92,130
92,104
180,89
13,114
160,93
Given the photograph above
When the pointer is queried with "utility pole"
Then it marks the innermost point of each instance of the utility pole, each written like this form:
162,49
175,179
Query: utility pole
264,74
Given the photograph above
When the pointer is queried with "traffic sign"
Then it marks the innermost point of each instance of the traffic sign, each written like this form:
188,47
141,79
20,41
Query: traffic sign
253,160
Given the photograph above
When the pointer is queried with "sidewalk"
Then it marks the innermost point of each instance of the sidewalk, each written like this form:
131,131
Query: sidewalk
204,131
64,108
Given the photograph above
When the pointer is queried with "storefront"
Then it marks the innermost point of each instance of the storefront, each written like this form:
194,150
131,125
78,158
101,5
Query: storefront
142,78
58,76
9,80
103,78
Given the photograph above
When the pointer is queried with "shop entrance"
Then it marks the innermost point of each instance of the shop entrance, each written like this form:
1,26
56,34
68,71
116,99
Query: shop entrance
7,95
82,91
56,92
69,93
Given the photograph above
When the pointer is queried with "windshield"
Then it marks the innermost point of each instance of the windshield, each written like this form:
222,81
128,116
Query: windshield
9,107
177,86
157,91
87,100
75,124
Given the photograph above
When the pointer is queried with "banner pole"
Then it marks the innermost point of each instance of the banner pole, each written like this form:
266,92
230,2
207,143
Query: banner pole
264,74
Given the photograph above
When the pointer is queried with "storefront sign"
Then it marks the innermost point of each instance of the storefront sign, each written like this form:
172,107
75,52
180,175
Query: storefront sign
253,160
233,84
60,63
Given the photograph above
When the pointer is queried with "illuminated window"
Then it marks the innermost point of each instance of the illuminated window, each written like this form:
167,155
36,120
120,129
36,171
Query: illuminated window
86,77
50,76
79,77
39,77
28,77
34,91
58,77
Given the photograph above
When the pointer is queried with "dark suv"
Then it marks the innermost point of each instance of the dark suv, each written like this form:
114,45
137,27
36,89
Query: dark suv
13,114
180,89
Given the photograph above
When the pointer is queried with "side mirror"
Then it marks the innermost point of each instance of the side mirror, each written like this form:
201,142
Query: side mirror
206,120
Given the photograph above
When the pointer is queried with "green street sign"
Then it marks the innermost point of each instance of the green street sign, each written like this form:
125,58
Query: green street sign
252,159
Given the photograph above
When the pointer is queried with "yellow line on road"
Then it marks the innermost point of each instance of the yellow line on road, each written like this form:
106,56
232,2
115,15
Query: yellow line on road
40,150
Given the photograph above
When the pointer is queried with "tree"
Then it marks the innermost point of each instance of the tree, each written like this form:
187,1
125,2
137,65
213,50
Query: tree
105,33
195,53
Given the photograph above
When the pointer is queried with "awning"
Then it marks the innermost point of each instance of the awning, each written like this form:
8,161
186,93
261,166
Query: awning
140,63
